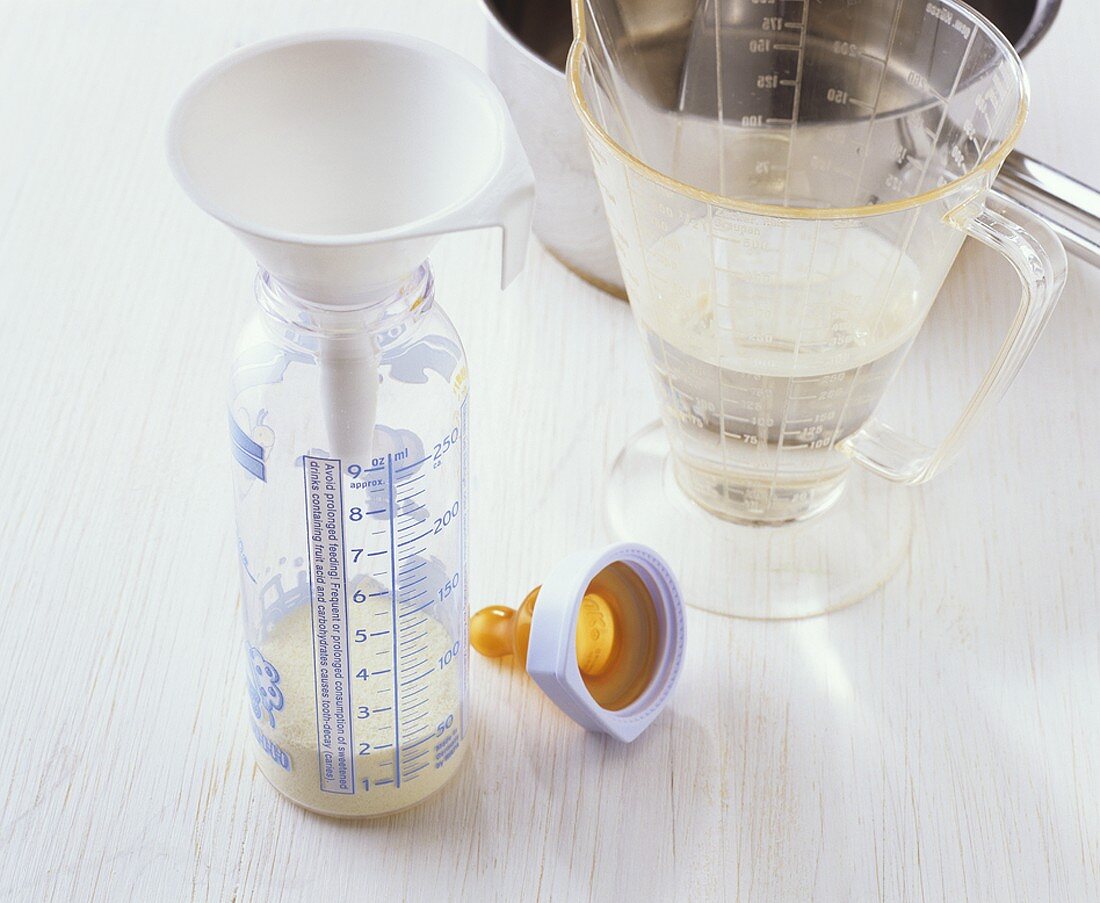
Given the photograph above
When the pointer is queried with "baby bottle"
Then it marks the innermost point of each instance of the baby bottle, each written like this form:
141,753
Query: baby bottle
338,159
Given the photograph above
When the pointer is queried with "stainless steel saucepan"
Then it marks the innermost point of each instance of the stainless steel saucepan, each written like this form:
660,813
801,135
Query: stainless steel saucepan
528,44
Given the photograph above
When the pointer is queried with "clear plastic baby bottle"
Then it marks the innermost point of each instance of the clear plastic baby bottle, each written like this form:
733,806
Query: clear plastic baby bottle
353,555
339,159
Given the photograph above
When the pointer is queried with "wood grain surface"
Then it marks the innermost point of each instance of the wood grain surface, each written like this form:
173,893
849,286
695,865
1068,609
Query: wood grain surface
939,741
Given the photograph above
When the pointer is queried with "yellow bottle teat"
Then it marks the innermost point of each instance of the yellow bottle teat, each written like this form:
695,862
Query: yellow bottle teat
498,631
616,639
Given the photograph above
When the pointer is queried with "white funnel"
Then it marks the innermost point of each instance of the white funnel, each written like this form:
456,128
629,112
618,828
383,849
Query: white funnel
339,157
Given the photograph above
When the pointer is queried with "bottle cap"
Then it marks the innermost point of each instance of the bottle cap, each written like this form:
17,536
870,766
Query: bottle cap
603,637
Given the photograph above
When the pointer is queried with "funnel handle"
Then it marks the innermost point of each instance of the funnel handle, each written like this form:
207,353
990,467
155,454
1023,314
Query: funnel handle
506,201
1037,256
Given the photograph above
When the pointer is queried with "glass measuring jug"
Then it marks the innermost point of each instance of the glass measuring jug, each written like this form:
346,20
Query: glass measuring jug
788,184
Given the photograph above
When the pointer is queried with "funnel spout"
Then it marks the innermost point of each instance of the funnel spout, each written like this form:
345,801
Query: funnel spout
349,395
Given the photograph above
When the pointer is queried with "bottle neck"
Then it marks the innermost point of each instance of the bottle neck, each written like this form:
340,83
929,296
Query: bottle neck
392,308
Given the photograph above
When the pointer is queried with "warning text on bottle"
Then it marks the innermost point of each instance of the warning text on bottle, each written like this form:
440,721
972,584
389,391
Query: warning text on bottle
324,525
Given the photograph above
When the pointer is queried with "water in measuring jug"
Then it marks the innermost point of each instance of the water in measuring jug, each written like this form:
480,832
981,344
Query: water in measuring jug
764,376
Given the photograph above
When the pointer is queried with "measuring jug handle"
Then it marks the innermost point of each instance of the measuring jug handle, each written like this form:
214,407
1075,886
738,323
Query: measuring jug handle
1035,253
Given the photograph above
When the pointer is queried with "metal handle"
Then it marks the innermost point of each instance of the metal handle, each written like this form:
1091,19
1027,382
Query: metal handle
1070,207
1030,246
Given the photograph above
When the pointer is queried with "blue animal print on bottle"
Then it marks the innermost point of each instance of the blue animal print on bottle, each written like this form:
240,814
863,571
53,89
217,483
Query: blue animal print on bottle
263,687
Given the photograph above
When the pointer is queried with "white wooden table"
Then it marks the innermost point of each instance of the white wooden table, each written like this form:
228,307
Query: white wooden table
941,740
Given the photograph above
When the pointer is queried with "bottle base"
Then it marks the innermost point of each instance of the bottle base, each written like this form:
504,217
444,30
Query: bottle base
355,808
